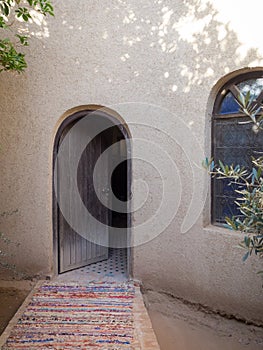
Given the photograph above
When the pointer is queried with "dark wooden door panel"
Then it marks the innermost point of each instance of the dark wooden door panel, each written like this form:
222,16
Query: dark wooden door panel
74,250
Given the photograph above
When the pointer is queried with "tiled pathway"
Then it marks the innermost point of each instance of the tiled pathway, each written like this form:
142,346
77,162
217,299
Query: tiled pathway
113,269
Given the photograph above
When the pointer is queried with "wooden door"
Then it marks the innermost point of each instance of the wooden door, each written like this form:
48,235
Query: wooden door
74,250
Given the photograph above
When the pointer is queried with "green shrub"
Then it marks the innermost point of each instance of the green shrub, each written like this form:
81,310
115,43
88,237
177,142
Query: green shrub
12,11
248,186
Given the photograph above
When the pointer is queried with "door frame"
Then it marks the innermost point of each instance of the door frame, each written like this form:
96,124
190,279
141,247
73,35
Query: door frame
118,121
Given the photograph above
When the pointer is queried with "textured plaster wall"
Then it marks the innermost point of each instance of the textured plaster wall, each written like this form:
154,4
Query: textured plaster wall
167,53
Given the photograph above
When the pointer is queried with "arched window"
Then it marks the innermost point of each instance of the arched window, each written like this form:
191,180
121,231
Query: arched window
234,142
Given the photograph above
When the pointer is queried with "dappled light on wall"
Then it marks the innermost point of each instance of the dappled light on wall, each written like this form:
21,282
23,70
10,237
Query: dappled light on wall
169,31
37,21
245,20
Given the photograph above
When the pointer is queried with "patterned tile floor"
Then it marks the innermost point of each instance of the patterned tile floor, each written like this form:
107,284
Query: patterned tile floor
113,269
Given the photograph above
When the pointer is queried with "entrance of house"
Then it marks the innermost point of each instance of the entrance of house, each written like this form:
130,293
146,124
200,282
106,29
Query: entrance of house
101,244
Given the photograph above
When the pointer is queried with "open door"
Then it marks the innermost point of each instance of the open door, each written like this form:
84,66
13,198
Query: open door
74,250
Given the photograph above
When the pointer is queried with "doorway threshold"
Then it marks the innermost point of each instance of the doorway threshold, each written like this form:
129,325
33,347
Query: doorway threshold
112,269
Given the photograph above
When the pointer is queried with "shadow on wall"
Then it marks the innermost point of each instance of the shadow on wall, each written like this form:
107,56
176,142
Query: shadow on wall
183,44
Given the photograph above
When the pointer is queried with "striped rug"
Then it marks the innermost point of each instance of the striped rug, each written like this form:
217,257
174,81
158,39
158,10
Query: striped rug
71,316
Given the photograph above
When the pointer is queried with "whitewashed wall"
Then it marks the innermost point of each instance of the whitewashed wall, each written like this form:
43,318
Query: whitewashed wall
164,53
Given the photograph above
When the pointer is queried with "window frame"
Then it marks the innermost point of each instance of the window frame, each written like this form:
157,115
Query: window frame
229,86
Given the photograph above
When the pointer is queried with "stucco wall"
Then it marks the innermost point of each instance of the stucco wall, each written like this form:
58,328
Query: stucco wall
166,54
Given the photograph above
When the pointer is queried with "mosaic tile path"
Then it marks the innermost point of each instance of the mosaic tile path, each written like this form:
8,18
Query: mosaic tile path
115,266
113,269
70,316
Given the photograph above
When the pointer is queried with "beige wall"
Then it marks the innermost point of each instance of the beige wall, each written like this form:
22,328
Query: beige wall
169,54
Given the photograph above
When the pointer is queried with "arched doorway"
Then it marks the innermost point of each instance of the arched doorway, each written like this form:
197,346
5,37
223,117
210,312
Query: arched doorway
73,250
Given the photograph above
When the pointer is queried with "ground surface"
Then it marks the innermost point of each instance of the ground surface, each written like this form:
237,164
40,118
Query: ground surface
184,327
10,300
12,295
176,325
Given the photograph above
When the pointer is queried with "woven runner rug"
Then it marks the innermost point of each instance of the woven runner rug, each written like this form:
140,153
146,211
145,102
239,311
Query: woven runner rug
71,316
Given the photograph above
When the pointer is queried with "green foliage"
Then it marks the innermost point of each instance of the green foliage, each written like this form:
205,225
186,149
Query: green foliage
11,11
252,110
10,59
249,187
